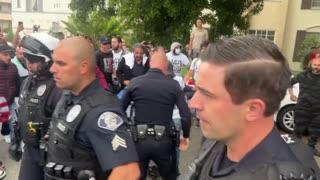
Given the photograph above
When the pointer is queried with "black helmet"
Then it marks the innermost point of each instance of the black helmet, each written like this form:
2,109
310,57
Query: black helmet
38,47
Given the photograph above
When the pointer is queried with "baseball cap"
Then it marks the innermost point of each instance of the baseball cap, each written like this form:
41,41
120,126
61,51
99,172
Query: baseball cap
104,40
5,48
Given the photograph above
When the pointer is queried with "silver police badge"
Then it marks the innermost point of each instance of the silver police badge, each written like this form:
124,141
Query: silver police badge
110,121
41,89
73,113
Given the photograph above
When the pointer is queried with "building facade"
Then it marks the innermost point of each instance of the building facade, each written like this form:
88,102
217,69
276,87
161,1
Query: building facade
5,14
288,23
43,13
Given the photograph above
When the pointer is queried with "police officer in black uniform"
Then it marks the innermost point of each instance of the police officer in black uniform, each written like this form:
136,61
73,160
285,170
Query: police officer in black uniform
154,96
307,110
37,101
240,84
88,137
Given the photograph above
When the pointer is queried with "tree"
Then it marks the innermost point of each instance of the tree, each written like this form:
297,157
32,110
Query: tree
164,21
95,25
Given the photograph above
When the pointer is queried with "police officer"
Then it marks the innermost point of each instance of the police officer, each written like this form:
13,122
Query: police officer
240,84
37,101
154,96
88,137
307,110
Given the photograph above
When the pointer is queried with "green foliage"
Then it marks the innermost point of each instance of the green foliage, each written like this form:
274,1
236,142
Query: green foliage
165,21
309,41
10,34
95,26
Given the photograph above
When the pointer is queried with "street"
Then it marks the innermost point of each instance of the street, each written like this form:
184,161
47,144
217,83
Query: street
13,167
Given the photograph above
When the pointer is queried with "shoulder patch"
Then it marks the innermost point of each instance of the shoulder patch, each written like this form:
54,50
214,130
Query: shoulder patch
110,121
287,138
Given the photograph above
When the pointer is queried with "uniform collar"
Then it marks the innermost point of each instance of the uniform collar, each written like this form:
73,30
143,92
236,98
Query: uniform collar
155,70
267,151
87,91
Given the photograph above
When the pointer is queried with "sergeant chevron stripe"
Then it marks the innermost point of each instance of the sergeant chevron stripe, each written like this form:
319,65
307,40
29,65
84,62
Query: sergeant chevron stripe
118,141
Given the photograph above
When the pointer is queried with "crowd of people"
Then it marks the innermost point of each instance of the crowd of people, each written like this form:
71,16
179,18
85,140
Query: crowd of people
70,111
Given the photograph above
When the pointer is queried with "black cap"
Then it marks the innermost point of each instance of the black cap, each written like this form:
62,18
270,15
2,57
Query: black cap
104,40
5,48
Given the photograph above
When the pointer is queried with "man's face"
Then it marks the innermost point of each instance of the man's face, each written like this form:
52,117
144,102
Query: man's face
220,119
115,44
199,23
2,39
105,46
315,65
33,66
138,54
5,57
65,69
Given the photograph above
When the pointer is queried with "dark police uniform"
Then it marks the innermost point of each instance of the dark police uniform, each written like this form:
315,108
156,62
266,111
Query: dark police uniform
37,101
154,96
307,110
88,136
273,157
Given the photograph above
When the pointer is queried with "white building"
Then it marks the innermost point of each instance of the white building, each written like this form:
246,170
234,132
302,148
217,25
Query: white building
5,14
39,12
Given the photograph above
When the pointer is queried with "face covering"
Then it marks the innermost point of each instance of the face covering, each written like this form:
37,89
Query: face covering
177,51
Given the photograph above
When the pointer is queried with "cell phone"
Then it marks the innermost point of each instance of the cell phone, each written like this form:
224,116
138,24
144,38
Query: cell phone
20,23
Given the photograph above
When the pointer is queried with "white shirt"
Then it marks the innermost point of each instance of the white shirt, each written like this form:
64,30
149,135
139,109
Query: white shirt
176,113
177,62
195,64
117,56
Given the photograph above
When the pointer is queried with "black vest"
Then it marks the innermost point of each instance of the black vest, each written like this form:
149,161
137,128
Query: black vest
32,103
63,149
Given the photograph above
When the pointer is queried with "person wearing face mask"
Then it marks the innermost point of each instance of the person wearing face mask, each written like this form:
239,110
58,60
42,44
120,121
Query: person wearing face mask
307,110
177,58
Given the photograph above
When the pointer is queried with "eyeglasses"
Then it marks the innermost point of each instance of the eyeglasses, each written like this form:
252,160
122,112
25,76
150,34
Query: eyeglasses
105,43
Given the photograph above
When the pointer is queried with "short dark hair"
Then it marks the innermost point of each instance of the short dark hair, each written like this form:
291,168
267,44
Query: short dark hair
118,38
255,68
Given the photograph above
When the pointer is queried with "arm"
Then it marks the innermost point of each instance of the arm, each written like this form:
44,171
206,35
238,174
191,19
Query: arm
129,171
184,113
16,36
189,75
120,71
126,99
101,79
190,44
294,80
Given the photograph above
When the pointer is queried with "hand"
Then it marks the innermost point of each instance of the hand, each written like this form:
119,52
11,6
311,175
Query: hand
184,144
293,98
19,28
126,82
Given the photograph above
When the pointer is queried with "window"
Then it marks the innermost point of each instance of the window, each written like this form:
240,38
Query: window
267,34
315,4
34,5
18,4
0,8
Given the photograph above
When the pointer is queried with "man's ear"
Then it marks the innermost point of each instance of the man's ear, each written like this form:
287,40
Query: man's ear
84,67
255,109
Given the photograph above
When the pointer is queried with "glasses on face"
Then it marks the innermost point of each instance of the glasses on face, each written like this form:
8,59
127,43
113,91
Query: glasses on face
105,43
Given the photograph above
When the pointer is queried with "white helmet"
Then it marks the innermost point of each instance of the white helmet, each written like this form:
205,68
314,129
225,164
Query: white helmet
38,47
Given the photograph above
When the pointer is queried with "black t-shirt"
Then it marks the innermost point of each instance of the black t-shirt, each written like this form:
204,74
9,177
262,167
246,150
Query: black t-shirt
105,61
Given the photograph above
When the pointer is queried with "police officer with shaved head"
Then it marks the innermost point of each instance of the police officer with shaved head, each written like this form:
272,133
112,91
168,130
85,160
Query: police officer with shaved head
88,138
154,96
